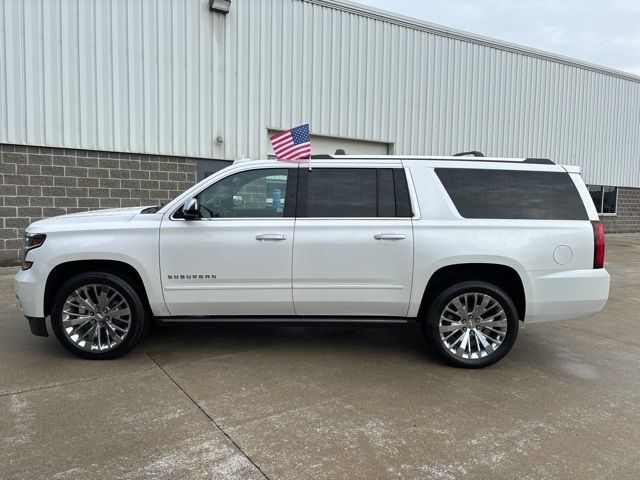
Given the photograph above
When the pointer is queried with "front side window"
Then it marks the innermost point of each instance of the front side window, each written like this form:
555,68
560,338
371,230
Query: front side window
249,194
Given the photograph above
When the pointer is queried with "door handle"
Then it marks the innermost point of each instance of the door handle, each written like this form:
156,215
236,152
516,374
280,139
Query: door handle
271,237
389,236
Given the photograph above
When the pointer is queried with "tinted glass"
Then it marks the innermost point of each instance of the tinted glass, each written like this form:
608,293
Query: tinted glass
610,200
340,192
386,193
254,193
596,195
510,194
403,204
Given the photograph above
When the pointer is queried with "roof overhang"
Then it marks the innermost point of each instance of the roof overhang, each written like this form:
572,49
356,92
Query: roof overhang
416,24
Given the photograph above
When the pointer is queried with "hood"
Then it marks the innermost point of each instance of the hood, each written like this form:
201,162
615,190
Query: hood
109,212
107,216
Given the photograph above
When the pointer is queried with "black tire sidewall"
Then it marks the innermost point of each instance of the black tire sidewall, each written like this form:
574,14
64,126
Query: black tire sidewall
430,325
139,323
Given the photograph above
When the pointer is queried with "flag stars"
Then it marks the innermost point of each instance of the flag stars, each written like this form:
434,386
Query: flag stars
300,134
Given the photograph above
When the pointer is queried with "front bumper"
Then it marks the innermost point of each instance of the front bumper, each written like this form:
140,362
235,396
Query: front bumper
31,300
38,326
29,289
566,295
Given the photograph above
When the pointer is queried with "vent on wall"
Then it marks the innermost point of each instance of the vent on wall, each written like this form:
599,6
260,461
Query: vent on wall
222,6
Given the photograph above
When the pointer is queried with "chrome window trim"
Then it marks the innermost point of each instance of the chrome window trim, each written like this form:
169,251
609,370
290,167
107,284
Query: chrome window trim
413,197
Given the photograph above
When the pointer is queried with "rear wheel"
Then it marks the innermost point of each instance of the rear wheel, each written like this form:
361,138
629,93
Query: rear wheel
98,316
472,324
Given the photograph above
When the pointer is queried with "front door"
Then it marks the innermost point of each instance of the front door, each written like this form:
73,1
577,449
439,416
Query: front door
235,260
353,250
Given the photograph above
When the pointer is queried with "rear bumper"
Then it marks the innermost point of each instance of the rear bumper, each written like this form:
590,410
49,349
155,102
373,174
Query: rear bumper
566,295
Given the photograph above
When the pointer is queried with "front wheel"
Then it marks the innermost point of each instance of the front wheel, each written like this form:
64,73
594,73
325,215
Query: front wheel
472,324
98,316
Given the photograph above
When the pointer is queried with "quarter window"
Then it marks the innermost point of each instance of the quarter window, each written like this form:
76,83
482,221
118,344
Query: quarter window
512,194
253,193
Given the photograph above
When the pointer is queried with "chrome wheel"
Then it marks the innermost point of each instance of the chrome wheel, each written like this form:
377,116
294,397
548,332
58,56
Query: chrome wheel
96,317
473,325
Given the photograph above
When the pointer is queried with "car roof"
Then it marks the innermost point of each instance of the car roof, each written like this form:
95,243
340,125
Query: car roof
440,158
391,161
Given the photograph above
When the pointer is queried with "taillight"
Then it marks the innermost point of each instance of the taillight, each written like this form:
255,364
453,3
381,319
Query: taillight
598,244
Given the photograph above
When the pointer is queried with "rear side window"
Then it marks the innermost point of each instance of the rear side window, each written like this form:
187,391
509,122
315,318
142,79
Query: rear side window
512,194
352,192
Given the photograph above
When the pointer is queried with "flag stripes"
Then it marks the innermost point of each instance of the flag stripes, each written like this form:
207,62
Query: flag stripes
294,144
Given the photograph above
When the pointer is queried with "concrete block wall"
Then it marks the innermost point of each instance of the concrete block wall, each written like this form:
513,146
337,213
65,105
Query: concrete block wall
627,219
39,182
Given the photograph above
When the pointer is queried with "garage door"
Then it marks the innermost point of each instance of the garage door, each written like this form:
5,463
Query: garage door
321,144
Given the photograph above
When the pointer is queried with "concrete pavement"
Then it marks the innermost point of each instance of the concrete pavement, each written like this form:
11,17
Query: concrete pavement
292,402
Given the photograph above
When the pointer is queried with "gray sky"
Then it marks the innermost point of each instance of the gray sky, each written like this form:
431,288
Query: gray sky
602,32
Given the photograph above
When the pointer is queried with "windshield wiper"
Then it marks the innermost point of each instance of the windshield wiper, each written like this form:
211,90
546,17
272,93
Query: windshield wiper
153,209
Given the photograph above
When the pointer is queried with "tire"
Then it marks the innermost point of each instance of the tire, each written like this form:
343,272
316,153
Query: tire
460,311
117,316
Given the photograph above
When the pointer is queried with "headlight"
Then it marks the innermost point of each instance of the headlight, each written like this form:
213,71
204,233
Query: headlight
31,241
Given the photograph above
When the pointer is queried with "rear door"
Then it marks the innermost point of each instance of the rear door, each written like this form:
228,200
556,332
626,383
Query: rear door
353,248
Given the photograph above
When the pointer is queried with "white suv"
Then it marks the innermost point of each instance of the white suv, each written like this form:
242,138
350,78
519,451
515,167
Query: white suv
466,246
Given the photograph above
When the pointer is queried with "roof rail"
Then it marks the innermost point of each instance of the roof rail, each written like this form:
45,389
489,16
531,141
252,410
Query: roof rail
539,161
475,153
535,161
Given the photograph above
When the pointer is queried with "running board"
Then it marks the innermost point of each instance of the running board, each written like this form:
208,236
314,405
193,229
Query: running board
276,319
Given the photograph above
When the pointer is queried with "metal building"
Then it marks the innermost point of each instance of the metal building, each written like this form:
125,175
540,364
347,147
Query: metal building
117,103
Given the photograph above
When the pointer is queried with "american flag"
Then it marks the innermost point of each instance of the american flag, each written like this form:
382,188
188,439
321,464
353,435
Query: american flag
294,144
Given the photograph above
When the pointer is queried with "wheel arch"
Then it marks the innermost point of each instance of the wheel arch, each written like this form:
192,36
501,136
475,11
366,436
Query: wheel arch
62,272
503,276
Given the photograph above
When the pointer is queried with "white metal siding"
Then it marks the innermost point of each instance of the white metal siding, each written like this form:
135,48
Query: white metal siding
136,76
168,77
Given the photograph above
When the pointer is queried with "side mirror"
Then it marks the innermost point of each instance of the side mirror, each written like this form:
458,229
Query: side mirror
191,209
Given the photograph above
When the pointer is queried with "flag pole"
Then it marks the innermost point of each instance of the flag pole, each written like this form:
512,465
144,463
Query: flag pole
310,147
